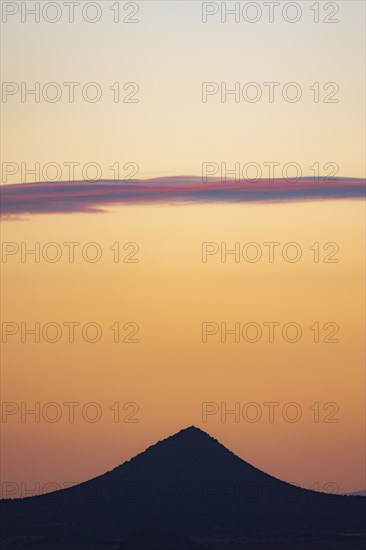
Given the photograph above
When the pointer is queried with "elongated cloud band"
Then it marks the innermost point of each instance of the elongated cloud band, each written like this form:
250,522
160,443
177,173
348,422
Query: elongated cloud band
81,196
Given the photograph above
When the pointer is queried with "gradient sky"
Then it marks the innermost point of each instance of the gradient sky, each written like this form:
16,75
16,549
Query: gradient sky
169,53
170,292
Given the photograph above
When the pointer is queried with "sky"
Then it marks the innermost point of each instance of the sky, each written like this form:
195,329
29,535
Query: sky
161,268
169,53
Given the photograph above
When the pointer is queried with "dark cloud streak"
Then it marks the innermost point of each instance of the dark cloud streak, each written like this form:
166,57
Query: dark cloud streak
71,197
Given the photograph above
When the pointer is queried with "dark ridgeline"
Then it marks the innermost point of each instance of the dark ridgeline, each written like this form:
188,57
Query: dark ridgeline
187,484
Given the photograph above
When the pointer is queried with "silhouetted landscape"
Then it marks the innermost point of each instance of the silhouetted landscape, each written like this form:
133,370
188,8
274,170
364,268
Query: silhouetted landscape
187,492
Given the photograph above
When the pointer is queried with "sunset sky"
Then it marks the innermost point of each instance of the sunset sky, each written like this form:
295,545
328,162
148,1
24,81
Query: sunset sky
170,292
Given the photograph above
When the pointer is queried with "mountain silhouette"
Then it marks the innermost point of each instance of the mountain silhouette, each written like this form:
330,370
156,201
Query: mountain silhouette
189,484
357,493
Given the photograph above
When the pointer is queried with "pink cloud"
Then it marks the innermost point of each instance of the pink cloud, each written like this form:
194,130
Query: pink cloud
83,196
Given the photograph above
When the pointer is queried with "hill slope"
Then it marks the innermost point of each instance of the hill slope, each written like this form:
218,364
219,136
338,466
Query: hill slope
191,484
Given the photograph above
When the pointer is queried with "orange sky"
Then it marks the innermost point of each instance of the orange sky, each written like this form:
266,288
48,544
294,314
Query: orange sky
170,373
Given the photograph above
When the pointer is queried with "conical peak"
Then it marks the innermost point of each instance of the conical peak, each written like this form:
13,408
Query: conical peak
193,430
192,433
190,437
